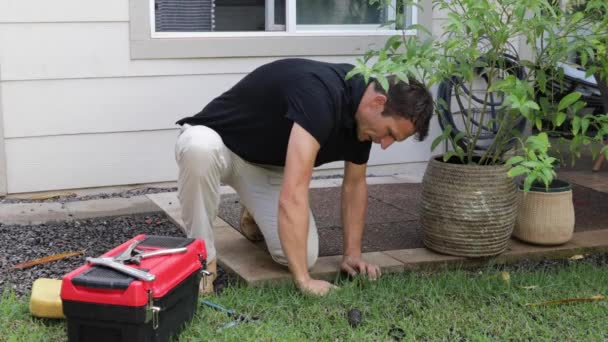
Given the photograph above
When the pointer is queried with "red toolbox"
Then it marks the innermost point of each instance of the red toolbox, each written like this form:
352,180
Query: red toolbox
103,304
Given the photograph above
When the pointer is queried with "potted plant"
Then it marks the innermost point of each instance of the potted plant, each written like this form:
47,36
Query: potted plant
546,211
486,95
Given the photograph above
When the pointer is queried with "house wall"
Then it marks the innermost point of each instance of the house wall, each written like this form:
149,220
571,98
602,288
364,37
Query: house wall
3,184
77,111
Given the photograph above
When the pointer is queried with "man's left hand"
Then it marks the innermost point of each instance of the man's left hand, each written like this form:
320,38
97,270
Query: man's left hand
356,265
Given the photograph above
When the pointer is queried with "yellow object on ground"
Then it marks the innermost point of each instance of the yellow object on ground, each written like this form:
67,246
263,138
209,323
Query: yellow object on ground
46,299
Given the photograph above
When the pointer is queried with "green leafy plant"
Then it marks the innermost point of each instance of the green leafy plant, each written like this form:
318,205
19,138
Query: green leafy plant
477,51
535,164
590,44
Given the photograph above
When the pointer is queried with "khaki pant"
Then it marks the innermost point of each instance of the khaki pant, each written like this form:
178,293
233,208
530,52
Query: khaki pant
204,161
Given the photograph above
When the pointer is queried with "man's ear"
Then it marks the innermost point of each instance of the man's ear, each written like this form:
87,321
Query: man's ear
380,99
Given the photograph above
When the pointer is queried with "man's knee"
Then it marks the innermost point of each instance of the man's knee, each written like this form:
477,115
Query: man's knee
280,258
198,146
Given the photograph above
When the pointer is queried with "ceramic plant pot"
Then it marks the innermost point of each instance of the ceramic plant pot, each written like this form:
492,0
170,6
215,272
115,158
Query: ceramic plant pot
545,216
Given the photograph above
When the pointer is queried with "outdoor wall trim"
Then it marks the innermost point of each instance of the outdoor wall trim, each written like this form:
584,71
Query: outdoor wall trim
3,166
142,46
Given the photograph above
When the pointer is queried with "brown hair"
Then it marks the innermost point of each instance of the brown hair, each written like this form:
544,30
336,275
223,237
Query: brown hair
410,100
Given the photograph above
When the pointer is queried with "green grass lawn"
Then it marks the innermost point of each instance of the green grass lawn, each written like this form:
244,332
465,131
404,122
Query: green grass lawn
450,305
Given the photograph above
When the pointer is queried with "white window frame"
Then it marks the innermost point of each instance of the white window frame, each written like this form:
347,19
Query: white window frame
290,28
269,18
332,41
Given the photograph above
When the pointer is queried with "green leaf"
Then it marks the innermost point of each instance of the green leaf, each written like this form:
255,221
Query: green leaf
584,125
577,106
459,136
560,118
393,42
528,182
548,174
448,155
531,104
515,160
549,161
576,125
517,170
539,124
578,16
584,58
544,137
459,152
383,82
436,142
447,131
568,100
532,164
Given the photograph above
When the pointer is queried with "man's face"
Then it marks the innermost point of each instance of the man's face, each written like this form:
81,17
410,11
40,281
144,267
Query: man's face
373,126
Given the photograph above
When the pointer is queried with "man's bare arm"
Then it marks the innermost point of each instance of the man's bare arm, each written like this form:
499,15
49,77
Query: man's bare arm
294,208
354,207
354,210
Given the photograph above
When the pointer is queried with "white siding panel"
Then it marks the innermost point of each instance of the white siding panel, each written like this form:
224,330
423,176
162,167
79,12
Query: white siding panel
3,190
88,50
63,10
90,160
54,107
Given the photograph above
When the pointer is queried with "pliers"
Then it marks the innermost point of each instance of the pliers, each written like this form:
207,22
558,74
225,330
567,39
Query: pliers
118,262
132,255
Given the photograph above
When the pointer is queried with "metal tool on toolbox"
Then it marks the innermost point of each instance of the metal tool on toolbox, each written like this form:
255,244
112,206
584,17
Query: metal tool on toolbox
132,255
118,262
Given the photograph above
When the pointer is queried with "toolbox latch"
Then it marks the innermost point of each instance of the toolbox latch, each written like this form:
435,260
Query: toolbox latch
152,312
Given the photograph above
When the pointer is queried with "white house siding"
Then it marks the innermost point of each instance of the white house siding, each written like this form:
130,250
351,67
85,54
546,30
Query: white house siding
77,112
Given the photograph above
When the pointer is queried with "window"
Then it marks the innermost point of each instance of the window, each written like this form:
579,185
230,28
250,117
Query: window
261,28
215,18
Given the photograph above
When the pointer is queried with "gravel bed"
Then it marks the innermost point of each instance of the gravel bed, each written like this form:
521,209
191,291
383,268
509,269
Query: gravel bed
74,197
95,236
124,194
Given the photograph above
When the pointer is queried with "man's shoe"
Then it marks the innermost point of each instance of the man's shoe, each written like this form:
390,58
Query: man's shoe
249,228
206,285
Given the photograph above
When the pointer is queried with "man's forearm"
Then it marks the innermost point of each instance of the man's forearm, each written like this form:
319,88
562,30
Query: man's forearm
293,233
354,208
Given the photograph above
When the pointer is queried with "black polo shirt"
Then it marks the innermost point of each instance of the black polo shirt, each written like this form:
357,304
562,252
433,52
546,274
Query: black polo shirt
255,117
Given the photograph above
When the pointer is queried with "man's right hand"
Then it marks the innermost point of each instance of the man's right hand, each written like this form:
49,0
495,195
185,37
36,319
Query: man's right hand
316,287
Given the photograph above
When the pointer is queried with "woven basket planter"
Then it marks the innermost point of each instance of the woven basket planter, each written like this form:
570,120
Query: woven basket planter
467,210
546,217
